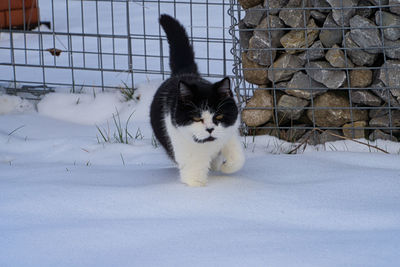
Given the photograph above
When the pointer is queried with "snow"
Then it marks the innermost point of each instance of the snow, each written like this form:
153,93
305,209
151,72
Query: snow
13,104
68,200
80,108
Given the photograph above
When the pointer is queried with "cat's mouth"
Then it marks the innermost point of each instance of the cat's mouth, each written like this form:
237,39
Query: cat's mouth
201,141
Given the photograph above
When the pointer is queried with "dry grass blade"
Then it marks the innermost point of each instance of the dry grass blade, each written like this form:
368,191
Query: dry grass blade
304,142
13,131
356,141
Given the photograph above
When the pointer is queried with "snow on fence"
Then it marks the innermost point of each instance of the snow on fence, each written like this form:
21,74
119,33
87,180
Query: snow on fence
318,70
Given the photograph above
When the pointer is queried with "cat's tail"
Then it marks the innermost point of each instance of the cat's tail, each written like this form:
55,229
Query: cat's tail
181,55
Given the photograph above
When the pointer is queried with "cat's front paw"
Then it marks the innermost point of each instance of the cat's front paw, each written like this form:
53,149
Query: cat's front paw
217,162
194,182
193,174
233,164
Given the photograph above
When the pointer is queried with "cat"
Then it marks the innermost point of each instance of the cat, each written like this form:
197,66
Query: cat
196,121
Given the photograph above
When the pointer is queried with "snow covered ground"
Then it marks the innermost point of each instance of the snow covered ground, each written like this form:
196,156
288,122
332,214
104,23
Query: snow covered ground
68,200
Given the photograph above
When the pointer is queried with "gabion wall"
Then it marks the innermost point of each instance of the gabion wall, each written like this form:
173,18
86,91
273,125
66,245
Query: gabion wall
331,65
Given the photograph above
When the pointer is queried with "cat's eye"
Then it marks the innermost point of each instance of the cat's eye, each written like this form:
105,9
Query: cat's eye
197,119
219,117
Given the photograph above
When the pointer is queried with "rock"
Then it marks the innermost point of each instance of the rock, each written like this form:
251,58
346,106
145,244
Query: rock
297,38
342,16
321,5
379,88
357,56
395,6
311,138
337,59
295,133
274,131
281,85
330,37
253,72
260,50
374,113
305,120
283,68
379,2
369,38
274,6
321,71
244,34
396,93
254,117
389,73
315,138
295,18
392,49
254,15
330,136
360,78
355,130
384,121
301,85
270,129
271,24
332,110
378,134
318,16
249,3
316,51
264,39
290,108
391,21
365,12
364,97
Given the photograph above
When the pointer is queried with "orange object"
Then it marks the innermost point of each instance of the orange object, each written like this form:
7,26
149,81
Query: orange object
15,13
16,4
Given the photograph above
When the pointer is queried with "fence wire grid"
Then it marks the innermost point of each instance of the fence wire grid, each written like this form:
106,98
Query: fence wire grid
316,71
107,44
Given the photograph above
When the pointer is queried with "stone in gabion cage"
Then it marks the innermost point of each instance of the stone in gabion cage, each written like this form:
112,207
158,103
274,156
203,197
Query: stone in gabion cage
327,64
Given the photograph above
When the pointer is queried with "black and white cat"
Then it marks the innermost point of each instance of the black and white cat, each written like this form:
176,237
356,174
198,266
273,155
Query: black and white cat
196,121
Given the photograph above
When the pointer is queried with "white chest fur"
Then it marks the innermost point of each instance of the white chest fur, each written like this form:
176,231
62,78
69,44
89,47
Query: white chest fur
194,159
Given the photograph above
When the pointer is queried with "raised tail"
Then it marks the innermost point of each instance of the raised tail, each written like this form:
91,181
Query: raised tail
181,55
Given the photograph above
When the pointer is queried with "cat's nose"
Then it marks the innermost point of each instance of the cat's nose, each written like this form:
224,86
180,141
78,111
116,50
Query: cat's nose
210,130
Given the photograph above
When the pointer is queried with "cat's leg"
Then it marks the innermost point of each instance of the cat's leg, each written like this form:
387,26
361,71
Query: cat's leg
193,173
233,154
193,168
217,162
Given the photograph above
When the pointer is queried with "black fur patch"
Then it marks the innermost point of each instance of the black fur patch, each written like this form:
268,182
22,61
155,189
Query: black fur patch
185,95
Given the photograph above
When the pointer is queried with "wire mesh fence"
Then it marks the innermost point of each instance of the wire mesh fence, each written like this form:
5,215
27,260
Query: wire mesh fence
315,71
106,44
297,65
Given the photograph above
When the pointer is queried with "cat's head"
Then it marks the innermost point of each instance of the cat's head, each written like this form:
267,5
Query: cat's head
206,111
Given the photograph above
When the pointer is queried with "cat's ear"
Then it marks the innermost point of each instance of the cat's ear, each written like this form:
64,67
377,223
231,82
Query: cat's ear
223,88
184,90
